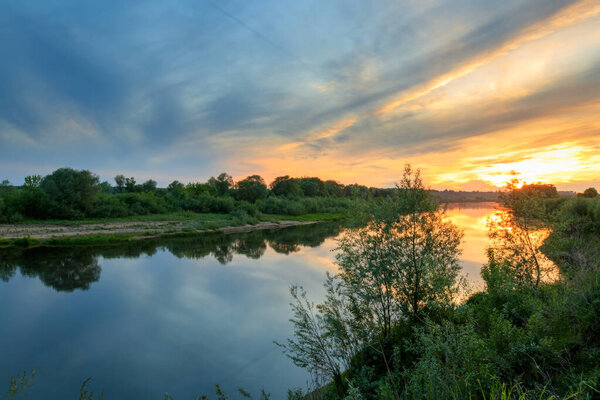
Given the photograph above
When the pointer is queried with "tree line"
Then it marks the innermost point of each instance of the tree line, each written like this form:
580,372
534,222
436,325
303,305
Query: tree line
67,193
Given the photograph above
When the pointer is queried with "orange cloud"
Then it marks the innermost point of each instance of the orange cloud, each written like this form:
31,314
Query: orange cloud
576,13
550,142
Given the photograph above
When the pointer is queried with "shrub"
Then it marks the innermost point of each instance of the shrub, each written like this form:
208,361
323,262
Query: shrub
206,203
109,206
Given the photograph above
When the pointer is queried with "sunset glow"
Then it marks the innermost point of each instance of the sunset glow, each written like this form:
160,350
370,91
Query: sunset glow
453,89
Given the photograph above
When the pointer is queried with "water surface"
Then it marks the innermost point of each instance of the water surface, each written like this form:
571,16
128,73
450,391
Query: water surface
176,315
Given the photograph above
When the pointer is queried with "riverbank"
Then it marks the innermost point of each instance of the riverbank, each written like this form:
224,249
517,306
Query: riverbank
95,231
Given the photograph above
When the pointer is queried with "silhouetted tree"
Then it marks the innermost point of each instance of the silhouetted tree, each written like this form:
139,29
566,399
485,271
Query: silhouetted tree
285,186
589,192
312,187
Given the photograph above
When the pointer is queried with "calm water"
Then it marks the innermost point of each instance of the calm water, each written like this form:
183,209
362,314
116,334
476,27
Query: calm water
172,316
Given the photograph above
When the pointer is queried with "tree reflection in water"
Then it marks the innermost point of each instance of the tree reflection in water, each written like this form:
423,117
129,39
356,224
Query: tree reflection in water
66,269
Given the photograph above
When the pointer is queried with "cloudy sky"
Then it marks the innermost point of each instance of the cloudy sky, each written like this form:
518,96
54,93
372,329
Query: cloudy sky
466,90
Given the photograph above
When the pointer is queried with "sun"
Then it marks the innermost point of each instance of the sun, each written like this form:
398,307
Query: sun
551,165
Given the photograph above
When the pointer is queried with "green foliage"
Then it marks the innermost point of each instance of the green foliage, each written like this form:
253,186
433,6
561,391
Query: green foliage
251,189
67,194
400,267
452,359
105,187
313,346
71,192
221,183
245,213
518,233
574,243
19,385
85,394
301,205
404,261
32,181
120,183
198,189
205,203
176,189
285,186
523,337
589,193
149,186
312,187
357,191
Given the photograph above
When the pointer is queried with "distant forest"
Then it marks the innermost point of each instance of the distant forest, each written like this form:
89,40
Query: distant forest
76,194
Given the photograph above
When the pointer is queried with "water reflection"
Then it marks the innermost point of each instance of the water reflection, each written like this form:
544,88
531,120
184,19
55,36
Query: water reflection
68,268
64,269
473,219
167,315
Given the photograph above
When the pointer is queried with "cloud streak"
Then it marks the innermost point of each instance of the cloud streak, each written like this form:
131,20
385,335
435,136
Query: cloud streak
346,90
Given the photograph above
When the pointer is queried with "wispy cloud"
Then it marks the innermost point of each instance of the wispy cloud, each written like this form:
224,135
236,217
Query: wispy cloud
348,91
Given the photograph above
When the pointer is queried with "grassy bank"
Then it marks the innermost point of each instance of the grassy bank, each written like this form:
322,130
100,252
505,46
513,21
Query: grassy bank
31,233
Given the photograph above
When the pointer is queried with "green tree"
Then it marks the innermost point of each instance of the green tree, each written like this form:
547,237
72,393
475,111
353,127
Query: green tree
198,189
130,185
589,192
356,191
312,187
175,188
397,269
105,187
313,347
518,232
73,191
333,188
221,183
251,189
404,261
32,181
149,186
285,186
120,182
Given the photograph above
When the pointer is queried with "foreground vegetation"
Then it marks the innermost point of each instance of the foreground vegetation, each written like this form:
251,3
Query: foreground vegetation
393,326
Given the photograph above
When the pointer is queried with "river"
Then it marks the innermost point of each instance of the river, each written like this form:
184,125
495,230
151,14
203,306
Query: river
178,316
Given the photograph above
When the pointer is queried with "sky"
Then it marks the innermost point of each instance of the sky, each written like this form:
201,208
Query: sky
469,91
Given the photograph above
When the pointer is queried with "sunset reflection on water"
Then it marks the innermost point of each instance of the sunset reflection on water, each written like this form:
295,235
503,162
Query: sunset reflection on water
472,218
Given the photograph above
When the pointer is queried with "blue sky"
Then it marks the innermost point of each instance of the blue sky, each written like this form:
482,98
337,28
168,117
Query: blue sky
349,90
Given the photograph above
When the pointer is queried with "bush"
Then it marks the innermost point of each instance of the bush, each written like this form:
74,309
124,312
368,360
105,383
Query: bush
248,208
241,217
206,203
143,203
303,205
109,206
71,191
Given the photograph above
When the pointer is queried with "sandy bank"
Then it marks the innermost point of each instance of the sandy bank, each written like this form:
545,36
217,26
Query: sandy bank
143,229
